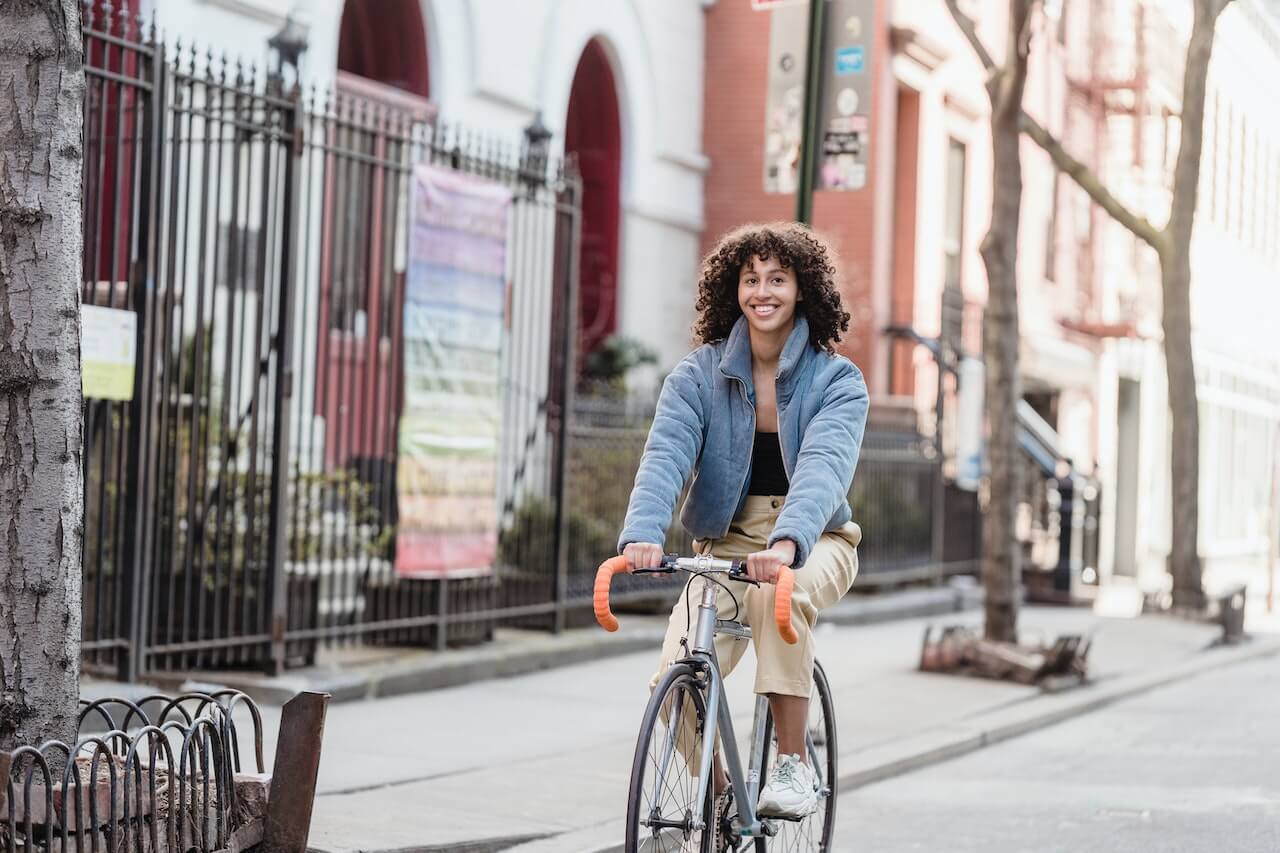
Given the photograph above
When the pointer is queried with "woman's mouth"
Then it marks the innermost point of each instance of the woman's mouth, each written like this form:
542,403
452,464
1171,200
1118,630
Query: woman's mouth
763,310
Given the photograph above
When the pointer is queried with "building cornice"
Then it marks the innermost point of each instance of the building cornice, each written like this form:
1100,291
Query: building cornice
911,43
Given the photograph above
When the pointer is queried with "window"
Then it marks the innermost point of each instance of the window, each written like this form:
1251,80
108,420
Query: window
1249,183
1051,233
1237,178
953,228
1217,162
1229,168
1273,232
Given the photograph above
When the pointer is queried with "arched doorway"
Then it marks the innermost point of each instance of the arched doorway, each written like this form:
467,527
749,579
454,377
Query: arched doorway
593,132
385,41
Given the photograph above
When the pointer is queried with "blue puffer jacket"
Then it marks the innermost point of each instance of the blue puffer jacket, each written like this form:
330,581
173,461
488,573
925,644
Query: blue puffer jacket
705,425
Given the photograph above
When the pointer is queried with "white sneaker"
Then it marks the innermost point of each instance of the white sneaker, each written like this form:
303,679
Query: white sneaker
792,790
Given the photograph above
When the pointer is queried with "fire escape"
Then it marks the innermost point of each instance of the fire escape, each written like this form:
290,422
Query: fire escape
1124,89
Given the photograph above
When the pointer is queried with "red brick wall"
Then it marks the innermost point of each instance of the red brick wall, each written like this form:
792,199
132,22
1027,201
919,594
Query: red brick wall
737,43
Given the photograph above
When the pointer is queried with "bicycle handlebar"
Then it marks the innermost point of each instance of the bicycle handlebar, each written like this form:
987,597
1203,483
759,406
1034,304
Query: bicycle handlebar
784,586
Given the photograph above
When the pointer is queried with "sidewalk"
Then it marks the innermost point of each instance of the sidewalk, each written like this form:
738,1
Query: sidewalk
353,673
540,762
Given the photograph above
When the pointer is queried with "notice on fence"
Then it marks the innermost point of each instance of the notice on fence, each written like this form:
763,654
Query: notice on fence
108,339
454,317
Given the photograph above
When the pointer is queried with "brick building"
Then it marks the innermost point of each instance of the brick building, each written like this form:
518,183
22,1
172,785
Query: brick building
1105,77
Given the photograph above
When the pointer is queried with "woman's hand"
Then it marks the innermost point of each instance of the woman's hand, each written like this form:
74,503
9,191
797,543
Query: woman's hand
642,555
763,566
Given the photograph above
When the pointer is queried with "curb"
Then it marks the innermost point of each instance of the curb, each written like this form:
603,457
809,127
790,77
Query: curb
452,668
935,746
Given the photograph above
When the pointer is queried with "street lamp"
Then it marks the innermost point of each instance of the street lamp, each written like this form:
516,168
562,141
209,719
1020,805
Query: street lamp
537,144
289,43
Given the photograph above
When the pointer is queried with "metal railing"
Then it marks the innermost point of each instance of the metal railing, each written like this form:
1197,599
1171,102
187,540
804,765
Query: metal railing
156,775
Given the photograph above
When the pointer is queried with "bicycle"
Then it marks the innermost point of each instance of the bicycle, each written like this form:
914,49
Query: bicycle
669,807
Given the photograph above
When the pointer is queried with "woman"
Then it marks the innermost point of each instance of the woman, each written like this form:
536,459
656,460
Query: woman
768,420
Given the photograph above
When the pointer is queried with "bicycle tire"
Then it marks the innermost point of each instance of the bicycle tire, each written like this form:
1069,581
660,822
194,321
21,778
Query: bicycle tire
679,681
792,836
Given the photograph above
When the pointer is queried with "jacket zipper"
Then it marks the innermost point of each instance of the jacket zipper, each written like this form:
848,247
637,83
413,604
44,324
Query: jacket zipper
742,386
782,447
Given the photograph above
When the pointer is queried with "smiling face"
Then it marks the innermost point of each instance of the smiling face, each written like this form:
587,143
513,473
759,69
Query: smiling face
768,294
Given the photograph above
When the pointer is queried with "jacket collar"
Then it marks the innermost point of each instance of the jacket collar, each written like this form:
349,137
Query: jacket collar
735,359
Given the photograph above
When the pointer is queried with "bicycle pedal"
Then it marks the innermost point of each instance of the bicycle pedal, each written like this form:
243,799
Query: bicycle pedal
787,818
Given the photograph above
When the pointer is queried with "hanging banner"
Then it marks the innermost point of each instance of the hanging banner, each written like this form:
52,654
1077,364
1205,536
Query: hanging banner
845,126
784,96
454,316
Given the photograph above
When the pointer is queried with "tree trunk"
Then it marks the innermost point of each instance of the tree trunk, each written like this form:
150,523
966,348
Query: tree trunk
1184,450
1175,275
1001,565
41,501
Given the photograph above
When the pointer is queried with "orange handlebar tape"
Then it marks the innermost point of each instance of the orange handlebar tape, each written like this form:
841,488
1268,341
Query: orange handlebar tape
604,576
782,605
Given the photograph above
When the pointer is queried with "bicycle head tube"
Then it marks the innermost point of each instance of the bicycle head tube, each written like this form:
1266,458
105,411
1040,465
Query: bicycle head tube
707,612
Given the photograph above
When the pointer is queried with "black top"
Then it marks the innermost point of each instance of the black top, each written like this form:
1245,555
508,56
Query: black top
768,476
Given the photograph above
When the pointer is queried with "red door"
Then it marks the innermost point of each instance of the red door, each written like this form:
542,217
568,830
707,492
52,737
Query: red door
593,133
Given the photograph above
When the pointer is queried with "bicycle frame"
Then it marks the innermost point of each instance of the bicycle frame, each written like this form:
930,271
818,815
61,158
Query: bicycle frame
746,789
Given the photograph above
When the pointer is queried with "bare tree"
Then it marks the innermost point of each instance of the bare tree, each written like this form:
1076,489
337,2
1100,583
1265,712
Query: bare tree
41,506
1001,567
1172,245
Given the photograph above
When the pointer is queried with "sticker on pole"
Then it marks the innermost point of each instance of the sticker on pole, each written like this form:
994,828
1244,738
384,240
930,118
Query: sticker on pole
850,60
108,352
768,5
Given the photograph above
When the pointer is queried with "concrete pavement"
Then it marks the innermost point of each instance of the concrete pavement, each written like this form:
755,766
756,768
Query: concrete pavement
1188,767
539,762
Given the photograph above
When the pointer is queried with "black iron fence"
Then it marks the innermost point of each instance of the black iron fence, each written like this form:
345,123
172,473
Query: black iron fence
119,142
242,507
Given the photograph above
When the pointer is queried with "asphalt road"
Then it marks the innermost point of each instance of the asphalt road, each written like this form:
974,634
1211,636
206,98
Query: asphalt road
1190,767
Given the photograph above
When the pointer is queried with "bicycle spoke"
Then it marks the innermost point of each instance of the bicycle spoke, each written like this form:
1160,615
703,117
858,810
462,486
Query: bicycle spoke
669,789
806,836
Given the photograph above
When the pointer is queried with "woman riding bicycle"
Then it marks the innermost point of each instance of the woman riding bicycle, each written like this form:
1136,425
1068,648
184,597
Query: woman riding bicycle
768,420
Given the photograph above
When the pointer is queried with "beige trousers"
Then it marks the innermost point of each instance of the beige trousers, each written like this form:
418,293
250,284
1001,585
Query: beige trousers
820,582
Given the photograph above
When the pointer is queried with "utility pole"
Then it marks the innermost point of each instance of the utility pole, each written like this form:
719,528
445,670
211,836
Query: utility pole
812,112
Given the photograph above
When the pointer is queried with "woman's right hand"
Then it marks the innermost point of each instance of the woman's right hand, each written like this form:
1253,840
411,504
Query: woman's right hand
642,555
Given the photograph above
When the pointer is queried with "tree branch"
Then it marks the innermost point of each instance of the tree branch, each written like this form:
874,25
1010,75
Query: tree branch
970,30
1088,181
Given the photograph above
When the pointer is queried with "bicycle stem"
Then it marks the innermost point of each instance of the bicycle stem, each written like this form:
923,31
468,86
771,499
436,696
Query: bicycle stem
707,615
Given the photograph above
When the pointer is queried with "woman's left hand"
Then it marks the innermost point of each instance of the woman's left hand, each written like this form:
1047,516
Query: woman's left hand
763,566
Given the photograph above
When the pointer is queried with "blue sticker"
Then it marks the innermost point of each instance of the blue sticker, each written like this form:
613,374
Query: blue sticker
850,60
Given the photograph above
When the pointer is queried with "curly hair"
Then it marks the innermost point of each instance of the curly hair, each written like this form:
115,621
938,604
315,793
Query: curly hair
798,249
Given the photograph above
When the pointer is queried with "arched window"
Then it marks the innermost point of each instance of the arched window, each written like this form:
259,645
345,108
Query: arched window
385,41
593,132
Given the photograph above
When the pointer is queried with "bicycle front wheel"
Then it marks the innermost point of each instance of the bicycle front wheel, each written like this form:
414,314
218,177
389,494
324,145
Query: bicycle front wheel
813,834
663,810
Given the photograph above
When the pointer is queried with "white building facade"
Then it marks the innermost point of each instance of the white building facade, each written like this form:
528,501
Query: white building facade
491,67
1235,258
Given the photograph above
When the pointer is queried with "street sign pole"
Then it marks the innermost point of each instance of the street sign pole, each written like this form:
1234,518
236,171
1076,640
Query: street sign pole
812,110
